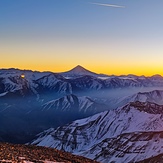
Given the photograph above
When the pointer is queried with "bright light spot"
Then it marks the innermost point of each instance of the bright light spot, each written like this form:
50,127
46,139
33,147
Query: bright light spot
22,76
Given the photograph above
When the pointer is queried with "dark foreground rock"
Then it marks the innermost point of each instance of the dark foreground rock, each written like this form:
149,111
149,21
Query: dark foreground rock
29,154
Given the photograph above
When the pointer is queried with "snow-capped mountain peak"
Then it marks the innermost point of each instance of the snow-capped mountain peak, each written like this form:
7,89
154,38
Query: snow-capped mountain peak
79,68
78,71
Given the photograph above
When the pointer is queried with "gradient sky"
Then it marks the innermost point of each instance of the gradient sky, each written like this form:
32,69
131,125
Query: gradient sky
105,36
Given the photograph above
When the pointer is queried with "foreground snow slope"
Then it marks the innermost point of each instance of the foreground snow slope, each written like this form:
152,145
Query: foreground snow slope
91,136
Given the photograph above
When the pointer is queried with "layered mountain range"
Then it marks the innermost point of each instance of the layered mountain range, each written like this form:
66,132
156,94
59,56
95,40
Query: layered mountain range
77,79
78,93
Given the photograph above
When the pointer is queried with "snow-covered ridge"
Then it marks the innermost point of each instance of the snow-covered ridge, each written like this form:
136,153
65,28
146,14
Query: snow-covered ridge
72,103
82,135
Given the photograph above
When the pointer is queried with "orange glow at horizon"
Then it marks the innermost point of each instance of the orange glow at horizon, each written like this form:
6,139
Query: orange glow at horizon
111,69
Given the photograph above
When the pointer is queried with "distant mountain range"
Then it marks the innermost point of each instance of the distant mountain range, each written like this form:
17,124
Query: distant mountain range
76,80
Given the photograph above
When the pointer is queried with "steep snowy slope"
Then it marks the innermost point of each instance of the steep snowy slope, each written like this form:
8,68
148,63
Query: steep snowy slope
84,136
128,147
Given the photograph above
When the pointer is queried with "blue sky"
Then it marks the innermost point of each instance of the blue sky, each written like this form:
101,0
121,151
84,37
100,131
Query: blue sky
56,35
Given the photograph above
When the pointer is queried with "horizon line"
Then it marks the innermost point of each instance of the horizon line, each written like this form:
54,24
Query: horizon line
57,72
